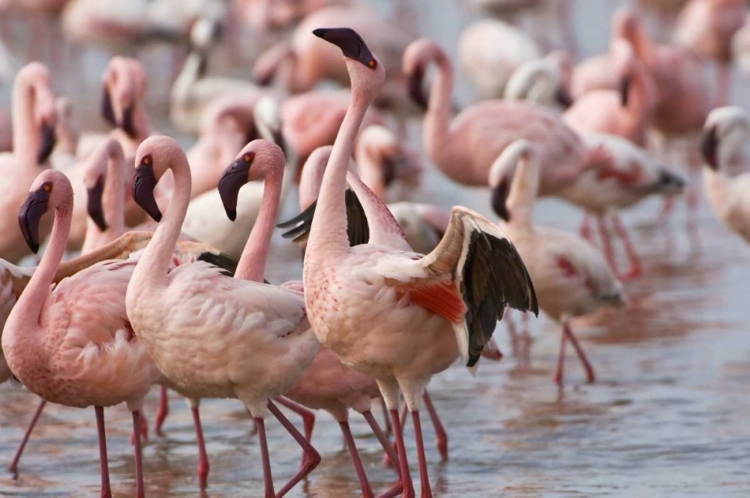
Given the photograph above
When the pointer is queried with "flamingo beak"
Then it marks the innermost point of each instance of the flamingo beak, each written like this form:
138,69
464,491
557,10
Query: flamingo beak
234,177
108,113
351,44
499,199
415,88
30,215
710,147
144,184
48,143
624,91
94,204
563,97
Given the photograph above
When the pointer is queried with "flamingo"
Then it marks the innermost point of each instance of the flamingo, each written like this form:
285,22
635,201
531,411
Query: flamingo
465,148
34,119
385,311
74,345
706,28
177,314
725,133
543,81
570,276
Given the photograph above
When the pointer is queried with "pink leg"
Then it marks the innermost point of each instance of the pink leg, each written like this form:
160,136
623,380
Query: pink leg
579,350
13,467
106,490
724,77
311,457
361,475
308,417
143,432
585,229
692,198
558,377
403,411
203,466
667,208
607,245
162,411
396,488
635,263
140,492
440,434
388,428
267,477
424,479
401,450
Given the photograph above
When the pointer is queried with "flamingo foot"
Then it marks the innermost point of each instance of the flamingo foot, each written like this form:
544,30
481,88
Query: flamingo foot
311,457
590,378
13,467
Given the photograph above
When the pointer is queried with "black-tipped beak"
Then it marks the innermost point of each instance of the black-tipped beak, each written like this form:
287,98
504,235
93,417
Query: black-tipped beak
351,44
30,215
563,97
94,204
48,143
670,183
710,147
234,177
415,88
127,124
144,184
624,91
108,113
499,199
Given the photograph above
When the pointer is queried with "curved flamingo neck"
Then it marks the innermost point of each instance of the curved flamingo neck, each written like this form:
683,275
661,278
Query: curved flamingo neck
26,134
368,168
645,48
523,192
328,230
438,116
254,256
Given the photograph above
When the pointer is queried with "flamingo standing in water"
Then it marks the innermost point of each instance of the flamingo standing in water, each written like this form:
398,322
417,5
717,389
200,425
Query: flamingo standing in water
394,315
74,345
34,118
570,276
260,335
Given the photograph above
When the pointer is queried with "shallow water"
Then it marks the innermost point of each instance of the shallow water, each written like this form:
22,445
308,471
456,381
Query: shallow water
666,417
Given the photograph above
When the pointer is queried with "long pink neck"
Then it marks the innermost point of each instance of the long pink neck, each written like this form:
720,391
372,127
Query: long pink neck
26,135
328,230
369,170
645,49
254,257
154,264
523,192
438,117
27,311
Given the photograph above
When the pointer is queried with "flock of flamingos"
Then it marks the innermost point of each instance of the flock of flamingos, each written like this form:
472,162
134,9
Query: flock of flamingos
167,284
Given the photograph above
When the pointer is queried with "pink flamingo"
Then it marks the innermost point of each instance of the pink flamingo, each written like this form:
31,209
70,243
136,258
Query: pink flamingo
465,148
570,276
74,345
394,315
34,119
724,136
265,356
706,28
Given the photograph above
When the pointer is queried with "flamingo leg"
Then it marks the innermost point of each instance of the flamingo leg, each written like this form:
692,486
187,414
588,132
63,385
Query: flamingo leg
267,477
424,478
397,487
106,491
311,457
203,466
579,350
354,454
13,467
401,450
441,437
140,492
558,377
162,411
402,415
609,254
388,428
585,229
667,208
724,82
635,263
308,417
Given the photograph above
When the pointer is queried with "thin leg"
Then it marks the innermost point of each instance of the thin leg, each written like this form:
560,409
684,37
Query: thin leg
308,417
267,477
402,415
311,457
558,377
440,434
106,490
581,355
203,466
585,229
607,245
13,467
361,475
667,208
692,198
388,428
635,263
401,450
162,411
140,492
424,479
397,487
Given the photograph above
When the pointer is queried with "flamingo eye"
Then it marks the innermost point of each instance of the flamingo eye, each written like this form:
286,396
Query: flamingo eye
372,64
47,187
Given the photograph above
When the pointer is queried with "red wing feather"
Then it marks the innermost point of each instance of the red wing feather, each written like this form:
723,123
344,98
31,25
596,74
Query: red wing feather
441,299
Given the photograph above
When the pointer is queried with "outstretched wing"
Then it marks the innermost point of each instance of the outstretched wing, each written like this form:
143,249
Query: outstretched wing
476,263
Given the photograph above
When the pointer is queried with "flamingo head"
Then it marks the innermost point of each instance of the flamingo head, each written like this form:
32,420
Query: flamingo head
153,158
50,191
725,134
124,85
503,172
365,70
